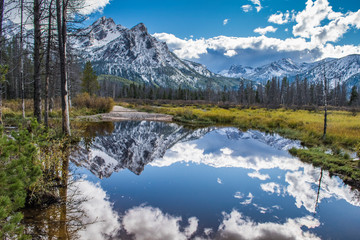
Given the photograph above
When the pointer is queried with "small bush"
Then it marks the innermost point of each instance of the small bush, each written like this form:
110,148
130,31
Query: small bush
16,105
99,104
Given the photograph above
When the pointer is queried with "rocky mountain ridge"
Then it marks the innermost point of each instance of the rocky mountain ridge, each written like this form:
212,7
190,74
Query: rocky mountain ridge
342,70
136,55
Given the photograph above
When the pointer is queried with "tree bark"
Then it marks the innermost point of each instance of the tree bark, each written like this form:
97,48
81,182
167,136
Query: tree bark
22,80
37,61
1,49
47,66
61,26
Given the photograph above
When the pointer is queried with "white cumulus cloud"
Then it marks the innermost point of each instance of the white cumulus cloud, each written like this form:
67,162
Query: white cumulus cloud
309,22
257,4
280,18
194,48
246,8
230,53
91,6
238,195
312,39
263,31
226,21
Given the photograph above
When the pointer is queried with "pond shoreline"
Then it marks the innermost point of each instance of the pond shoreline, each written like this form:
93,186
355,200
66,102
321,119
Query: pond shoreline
119,113
280,121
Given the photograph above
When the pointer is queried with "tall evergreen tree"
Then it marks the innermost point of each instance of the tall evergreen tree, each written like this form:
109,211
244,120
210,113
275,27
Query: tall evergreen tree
89,82
354,96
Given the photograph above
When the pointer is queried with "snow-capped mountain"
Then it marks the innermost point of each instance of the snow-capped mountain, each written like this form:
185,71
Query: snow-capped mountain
343,70
282,67
131,145
346,69
238,71
136,55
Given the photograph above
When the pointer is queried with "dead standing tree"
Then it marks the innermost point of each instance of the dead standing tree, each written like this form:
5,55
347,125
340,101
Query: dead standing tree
37,60
22,80
2,69
325,104
47,62
61,17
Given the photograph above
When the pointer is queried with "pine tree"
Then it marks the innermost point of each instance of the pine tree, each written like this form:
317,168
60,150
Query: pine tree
353,96
89,81
19,174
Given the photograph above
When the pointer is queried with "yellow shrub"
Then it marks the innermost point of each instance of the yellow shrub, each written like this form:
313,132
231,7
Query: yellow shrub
99,104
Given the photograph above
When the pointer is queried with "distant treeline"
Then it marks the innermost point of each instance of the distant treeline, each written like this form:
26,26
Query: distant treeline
276,92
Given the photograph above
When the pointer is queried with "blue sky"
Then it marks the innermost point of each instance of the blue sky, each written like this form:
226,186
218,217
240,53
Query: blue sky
255,32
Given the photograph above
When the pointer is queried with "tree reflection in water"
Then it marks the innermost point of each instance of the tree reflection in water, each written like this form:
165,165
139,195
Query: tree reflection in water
83,213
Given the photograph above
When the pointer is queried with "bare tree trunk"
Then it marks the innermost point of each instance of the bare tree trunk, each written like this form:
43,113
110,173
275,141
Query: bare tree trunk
69,85
1,49
1,122
61,25
22,80
37,61
325,105
63,225
47,66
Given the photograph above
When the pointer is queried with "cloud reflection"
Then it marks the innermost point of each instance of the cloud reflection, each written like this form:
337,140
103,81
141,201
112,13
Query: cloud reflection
303,186
237,226
301,179
100,219
145,222
271,187
258,175
248,200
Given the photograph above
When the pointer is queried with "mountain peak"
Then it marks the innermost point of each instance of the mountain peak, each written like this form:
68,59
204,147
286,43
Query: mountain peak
136,55
140,27
104,21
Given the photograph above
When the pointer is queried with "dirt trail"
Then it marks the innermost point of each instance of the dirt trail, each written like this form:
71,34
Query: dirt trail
120,114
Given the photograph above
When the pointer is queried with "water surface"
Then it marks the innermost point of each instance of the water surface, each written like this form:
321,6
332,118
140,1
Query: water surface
154,180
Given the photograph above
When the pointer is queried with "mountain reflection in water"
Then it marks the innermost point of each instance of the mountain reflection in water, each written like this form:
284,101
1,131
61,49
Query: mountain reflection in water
131,145
153,180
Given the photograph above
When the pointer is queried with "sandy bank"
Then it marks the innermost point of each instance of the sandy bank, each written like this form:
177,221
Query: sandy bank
121,114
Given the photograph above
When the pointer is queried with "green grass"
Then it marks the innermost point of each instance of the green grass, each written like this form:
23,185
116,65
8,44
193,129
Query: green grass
307,126
339,164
